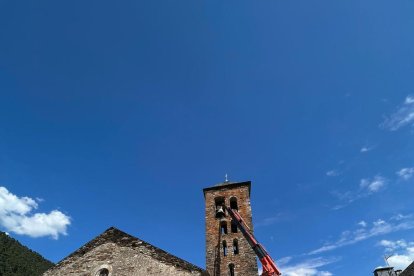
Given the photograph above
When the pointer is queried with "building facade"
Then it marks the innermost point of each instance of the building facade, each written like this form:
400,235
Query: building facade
115,253
227,252
386,271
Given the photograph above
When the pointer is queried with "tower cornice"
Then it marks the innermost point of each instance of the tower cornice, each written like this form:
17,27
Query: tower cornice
228,185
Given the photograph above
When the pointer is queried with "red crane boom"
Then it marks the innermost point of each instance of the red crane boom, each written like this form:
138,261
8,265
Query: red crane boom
269,266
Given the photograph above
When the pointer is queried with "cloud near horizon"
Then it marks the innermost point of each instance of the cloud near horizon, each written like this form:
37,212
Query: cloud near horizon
16,215
310,267
402,252
377,228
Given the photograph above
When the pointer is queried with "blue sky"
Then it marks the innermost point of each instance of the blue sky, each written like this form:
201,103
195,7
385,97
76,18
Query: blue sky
118,114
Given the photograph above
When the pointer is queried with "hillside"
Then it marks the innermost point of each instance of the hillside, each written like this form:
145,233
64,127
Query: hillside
18,260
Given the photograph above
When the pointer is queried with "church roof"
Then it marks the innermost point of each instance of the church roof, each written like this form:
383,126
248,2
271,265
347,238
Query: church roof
121,238
409,271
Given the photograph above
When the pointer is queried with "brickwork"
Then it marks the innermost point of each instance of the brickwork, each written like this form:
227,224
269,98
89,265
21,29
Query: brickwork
122,255
217,264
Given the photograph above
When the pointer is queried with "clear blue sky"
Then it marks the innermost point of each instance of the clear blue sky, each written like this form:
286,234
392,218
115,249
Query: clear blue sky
119,113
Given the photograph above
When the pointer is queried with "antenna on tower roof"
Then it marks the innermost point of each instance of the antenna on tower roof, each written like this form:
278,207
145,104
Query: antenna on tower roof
386,257
225,178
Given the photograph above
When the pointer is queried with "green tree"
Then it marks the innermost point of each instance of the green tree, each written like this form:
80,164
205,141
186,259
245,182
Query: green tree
18,260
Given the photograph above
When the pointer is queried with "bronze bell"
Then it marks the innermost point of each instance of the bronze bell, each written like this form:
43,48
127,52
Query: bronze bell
220,212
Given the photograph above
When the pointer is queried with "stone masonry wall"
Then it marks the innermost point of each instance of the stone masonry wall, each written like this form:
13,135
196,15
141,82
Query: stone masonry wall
122,255
409,271
120,261
216,263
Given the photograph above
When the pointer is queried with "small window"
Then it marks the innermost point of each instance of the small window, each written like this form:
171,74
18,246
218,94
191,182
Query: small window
223,228
233,226
231,270
103,272
224,248
233,203
235,247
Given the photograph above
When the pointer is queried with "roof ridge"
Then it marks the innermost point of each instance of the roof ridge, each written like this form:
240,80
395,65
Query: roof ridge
122,238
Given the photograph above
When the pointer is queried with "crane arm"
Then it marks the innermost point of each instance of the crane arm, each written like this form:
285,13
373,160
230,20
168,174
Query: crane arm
269,266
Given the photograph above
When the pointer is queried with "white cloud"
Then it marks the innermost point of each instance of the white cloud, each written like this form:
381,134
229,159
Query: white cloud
402,117
332,173
16,215
9,203
284,260
399,217
401,253
366,149
367,187
406,173
362,223
373,185
378,228
409,100
394,245
309,267
401,261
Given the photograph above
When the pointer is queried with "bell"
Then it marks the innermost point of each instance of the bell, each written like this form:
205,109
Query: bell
219,212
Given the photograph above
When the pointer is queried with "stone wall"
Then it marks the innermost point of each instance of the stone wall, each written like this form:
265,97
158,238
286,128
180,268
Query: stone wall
216,263
409,271
122,256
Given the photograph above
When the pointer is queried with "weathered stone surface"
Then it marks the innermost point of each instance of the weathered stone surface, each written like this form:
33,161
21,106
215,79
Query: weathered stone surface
409,271
122,255
245,262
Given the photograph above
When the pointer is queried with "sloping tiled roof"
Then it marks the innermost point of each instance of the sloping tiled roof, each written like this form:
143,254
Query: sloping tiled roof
123,239
409,271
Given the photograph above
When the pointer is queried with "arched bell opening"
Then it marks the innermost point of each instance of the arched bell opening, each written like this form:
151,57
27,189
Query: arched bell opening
233,203
220,210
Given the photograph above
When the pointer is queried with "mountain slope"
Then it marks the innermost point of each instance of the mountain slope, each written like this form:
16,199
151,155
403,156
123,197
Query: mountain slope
18,260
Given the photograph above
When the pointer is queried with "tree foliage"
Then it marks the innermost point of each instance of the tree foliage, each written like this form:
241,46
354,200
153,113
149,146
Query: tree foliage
18,260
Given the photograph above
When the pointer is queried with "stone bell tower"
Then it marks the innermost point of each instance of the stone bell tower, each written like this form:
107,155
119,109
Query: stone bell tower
227,252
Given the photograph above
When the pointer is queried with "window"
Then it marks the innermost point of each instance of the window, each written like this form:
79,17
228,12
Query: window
224,248
233,226
233,203
219,203
231,270
103,272
235,247
223,227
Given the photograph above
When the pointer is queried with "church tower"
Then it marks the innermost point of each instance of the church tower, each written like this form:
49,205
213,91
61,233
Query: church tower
227,252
